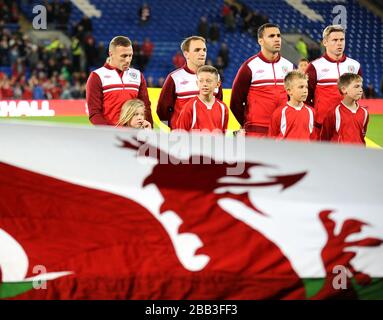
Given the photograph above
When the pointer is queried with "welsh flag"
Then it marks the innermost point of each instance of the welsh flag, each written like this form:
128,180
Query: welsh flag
105,213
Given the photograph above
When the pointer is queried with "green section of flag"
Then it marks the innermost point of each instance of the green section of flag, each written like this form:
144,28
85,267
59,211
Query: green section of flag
13,289
374,291
313,286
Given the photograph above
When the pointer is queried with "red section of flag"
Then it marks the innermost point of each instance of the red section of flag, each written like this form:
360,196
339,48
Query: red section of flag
118,250
114,246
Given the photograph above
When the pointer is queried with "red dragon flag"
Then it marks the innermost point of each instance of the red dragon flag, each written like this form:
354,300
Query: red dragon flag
107,213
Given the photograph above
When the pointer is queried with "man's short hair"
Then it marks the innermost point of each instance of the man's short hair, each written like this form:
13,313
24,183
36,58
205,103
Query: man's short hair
261,29
292,76
209,69
120,41
346,79
185,45
332,28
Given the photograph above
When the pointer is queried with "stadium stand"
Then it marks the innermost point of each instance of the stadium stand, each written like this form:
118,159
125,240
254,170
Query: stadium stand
171,21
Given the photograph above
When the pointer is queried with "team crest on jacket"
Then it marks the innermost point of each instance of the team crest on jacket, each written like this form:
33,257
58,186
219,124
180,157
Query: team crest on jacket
285,69
133,75
351,69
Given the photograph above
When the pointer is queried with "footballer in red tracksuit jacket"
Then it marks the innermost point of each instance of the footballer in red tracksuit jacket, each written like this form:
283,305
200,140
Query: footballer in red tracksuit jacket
257,91
323,75
108,88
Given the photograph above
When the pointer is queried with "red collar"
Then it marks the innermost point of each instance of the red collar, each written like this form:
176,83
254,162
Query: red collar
263,58
348,109
342,59
289,105
185,66
108,66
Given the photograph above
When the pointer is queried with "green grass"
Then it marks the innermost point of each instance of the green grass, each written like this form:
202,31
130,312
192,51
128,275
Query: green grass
374,132
60,119
375,129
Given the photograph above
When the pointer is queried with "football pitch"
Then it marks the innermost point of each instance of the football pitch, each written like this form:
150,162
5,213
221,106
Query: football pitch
374,132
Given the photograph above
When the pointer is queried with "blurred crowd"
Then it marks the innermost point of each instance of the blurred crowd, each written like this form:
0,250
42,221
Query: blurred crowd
234,13
53,70
39,72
